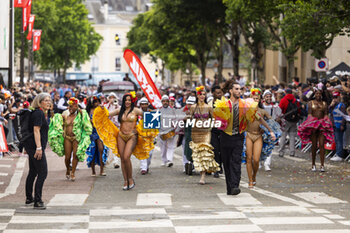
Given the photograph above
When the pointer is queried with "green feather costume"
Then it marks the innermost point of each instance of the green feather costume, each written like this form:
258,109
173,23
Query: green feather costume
82,130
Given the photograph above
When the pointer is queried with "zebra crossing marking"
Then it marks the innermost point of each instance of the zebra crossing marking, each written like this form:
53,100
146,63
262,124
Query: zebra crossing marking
312,231
347,223
333,216
218,228
214,215
320,211
24,219
3,174
7,212
5,166
290,220
119,224
318,198
274,209
68,200
154,199
48,230
123,212
243,199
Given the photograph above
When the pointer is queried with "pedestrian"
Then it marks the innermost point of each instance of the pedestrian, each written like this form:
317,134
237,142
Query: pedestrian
35,147
145,163
317,129
215,133
202,150
339,125
291,112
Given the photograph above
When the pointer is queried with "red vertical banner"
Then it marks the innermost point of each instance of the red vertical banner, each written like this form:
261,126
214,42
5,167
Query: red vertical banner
3,141
30,27
21,3
36,39
26,14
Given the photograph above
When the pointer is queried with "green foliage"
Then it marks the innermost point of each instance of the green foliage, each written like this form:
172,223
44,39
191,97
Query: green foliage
67,36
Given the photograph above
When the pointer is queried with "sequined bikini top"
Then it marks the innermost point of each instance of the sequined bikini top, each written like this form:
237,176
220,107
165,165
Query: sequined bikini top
198,115
130,118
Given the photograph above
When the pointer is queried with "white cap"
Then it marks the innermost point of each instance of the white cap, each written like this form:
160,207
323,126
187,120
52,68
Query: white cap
210,98
267,92
247,93
165,97
227,95
112,94
191,100
143,100
172,95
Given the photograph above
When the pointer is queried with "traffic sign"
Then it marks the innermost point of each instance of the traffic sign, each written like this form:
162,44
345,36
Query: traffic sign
321,65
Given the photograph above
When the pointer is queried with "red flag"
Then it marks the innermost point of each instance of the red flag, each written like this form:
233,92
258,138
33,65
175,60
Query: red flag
26,14
21,3
36,39
142,76
30,27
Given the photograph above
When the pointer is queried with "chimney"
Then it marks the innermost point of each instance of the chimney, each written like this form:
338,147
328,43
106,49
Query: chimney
106,10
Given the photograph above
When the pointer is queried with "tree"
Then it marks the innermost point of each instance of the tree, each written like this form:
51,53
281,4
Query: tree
67,36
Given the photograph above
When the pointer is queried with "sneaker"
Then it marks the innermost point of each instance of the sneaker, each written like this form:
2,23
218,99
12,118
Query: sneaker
216,175
234,191
29,201
39,205
267,167
292,155
143,172
116,166
322,169
336,158
313,169
169,164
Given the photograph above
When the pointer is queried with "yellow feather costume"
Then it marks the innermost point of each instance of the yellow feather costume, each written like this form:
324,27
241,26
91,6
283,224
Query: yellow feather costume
108,133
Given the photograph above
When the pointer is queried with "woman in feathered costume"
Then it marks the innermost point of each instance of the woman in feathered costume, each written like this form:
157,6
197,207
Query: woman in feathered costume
255,137
70,133
202,155
97,152
317,129
132,138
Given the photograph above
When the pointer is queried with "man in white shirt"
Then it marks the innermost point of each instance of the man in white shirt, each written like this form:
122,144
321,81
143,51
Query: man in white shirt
167,138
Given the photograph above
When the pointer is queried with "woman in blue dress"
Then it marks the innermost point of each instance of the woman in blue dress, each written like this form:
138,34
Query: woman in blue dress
97,152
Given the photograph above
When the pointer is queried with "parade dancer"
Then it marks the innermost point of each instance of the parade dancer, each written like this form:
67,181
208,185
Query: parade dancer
202,150
145,163
254,140
97,152
167,138
111,106
132,138
317,128
234,113
275,112
70,133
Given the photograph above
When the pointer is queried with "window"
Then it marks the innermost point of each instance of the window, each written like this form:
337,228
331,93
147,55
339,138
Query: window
94,64
117,64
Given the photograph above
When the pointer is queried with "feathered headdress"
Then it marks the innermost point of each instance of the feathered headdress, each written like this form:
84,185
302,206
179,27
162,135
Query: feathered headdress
255,91
72,101
199,89
132,94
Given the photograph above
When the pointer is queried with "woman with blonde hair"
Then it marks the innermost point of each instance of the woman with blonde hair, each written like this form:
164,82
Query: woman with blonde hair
35,147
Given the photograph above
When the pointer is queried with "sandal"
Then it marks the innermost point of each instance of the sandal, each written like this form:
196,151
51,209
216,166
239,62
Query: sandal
251,185
72,177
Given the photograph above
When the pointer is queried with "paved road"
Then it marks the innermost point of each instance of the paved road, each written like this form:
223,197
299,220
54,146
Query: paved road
291,198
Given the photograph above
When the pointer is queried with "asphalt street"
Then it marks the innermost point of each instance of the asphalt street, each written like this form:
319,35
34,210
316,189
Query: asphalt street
290,198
